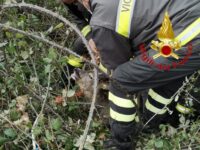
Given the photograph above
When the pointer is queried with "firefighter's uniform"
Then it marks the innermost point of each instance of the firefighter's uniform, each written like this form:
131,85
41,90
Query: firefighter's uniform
118,28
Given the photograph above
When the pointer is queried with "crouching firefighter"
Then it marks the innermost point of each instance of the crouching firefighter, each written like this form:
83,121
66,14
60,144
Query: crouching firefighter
166,28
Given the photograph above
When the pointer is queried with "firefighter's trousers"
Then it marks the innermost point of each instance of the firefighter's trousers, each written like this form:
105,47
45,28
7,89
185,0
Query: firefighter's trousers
141,75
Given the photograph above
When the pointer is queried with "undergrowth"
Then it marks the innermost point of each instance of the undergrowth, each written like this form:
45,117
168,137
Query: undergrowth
31,72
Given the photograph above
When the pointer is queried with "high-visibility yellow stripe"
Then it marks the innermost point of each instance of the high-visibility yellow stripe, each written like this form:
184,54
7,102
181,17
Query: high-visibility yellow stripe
124,17
155,96
121,102
102,68
183,109
121,117
86,30
153,109
74,61
137,119
189,33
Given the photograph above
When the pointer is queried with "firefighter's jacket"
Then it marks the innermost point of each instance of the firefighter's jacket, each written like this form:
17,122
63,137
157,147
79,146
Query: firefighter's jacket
120,26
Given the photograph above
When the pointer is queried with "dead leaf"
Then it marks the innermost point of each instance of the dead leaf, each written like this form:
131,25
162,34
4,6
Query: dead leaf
21,102
79,93
59,100
70,93
88,143
102,136
24,120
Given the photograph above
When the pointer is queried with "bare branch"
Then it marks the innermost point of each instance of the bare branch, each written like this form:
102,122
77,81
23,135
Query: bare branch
53,44
55,15
40,114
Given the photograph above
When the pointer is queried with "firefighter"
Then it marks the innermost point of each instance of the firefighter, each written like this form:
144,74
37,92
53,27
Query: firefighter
120,29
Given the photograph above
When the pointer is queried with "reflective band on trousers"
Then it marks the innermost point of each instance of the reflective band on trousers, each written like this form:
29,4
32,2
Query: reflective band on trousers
189,33
121,102
155,110
86,30
182,109
155,96
124,17
121,117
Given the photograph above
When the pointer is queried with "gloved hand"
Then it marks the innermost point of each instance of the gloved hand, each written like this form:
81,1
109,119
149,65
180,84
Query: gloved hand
74,62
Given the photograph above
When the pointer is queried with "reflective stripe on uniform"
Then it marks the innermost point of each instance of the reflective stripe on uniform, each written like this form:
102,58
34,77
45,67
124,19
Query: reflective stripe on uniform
155,96
121,117
155,110
137,119
121,102
74,61
87,29
121,109
156,103
189,33
124,17
182,109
